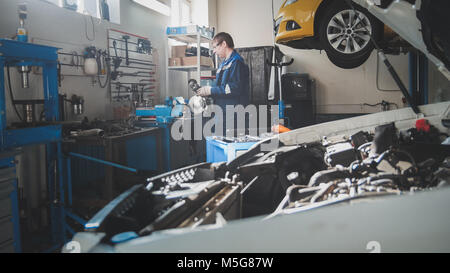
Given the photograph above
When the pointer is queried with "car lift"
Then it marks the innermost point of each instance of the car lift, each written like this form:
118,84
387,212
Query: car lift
393,73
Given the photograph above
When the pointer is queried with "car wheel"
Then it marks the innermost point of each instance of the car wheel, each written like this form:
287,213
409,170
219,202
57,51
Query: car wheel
346,35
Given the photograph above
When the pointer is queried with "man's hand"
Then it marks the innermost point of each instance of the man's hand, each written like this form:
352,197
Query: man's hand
204,91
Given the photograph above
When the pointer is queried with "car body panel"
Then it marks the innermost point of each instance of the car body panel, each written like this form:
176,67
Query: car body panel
406,223
403,118
302,12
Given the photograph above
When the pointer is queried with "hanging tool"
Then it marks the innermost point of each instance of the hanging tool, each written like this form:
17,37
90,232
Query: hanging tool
116,63
103,55
144,46
281,105
59,74
120,85
77,103
127,60
146,74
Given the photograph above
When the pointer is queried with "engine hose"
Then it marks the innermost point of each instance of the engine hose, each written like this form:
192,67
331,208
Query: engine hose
380,182
411,158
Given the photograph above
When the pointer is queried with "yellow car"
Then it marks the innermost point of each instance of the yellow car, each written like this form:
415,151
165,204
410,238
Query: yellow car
329,25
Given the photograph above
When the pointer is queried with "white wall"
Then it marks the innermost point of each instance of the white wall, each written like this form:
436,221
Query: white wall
204,12
248,21
199,12
212,13
338,90
55,26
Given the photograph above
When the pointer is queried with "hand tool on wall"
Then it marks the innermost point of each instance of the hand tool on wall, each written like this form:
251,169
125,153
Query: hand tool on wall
104,67
126,37
116,63
59,74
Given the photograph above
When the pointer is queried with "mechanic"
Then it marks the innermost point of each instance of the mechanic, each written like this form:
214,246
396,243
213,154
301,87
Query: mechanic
232,79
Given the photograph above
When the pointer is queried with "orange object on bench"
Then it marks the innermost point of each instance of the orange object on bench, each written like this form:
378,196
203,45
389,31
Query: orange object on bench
280,129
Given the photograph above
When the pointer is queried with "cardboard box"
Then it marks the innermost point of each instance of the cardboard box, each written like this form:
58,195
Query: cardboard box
175,62
179,51
190,61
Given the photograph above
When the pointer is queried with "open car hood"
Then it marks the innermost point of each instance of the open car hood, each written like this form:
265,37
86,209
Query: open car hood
414,23
200,208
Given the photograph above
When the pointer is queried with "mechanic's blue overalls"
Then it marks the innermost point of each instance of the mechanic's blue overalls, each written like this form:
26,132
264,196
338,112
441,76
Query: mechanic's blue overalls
232,85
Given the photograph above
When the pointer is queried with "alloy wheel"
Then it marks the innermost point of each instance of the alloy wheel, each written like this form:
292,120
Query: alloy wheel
349,32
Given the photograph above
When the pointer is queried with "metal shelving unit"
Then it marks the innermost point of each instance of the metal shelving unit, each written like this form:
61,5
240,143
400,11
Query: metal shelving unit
198,39
191,68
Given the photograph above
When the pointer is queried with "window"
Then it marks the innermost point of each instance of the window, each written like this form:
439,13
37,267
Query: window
185,12
154,5
106,9
181,13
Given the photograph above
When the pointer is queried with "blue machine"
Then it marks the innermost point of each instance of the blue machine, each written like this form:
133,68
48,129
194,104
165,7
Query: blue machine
162,117
164,114
22,54
9,209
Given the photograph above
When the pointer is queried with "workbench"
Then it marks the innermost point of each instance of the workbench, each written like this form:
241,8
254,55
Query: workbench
140,150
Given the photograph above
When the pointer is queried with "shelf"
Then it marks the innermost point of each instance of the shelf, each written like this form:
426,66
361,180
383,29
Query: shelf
190,68
189,38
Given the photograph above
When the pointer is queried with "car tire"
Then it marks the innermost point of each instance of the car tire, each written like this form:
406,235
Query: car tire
346,36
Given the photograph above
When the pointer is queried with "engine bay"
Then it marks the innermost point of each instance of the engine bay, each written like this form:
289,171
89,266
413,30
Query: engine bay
339,169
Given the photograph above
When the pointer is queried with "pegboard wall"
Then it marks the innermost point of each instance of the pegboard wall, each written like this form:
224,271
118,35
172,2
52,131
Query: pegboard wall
126,69
133,72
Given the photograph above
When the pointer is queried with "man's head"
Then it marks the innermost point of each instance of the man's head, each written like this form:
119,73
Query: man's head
223,45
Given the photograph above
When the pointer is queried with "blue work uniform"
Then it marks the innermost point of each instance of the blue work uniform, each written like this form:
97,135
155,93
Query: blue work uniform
232,83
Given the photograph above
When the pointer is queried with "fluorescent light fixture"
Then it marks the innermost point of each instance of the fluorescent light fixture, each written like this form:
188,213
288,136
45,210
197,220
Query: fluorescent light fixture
154,5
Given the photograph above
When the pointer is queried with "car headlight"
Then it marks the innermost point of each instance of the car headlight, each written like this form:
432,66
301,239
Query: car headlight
289,2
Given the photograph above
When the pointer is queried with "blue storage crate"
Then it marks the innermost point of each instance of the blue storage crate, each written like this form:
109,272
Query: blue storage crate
218,150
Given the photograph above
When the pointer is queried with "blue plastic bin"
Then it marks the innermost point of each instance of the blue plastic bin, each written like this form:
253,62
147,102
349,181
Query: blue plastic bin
219,151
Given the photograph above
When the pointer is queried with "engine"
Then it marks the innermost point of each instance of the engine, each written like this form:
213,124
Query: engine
288,179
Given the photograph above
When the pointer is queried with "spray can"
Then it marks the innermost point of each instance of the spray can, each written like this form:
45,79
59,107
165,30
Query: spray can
22,35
